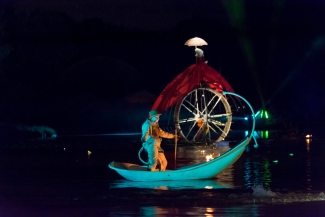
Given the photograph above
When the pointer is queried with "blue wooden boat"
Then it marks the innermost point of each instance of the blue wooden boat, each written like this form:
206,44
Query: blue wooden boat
204,170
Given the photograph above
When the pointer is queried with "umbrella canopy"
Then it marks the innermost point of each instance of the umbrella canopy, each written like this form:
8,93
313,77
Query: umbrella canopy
195,42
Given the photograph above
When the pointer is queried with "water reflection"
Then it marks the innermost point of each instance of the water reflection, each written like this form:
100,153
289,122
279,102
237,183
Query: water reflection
257,172
308,142
227,176
308,166
236,211
254,210
171,185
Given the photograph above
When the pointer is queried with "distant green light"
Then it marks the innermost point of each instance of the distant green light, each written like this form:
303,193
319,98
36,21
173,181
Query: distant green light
291,154
275,161
262,113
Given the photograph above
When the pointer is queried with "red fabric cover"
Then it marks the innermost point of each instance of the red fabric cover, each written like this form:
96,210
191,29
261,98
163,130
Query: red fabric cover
187,81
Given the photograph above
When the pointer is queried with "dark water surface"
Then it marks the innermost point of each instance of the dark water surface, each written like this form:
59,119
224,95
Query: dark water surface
68,176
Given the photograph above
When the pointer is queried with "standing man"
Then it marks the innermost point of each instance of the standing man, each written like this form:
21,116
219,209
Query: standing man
151,139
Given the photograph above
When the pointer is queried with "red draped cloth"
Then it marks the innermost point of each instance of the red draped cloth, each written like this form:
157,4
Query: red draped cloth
187,81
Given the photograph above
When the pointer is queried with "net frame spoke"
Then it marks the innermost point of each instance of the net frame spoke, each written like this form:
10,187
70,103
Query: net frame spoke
207,105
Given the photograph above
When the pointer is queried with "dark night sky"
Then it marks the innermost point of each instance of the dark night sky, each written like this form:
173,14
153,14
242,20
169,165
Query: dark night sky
271,51
142,14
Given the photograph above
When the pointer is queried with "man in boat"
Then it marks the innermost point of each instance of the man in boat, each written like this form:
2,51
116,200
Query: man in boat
151,140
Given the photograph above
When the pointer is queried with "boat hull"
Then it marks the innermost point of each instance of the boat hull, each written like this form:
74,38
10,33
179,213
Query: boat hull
203,170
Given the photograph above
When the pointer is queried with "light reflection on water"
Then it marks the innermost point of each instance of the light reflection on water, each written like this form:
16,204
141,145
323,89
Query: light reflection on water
308,166
171,185
257,172
236,211
254,210
249,210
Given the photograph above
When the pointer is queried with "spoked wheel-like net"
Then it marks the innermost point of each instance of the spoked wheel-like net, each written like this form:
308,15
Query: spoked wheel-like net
203,115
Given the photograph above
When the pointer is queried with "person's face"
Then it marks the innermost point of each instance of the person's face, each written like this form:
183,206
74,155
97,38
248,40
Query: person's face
155,119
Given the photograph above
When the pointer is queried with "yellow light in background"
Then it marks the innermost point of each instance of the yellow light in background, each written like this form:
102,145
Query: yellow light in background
89,153
309,136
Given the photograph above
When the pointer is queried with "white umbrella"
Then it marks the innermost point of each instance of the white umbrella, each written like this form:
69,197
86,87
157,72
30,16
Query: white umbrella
195,42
